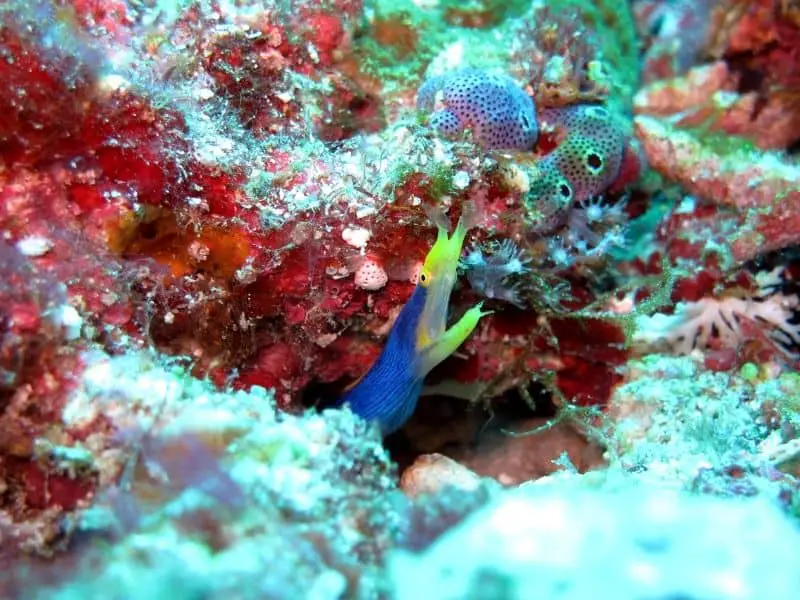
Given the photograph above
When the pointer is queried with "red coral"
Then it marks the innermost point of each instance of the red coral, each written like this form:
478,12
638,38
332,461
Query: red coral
110,16
710,97
675,33
277,366
762,36
40,112
250,71
762,187
751,89
327,34
26,338
43,490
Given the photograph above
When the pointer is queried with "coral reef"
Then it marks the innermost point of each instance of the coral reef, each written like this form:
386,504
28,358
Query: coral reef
748,84
676,34
220,221
762,186
227,481
576,51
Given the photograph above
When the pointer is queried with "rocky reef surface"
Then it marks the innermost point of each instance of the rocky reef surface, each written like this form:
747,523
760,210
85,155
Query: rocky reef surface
213,212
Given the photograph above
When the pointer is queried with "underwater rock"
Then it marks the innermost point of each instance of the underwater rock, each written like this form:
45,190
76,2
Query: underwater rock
749,181
188,473
543,540
709,98
747,81
430,473
676,35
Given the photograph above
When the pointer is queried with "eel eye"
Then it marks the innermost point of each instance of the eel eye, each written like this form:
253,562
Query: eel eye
425,277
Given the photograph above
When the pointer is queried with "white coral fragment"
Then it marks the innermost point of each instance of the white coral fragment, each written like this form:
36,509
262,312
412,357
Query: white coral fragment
370,276
694,324
356,236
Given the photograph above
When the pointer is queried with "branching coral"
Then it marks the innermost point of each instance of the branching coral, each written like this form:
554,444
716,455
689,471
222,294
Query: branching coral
709,322
757,321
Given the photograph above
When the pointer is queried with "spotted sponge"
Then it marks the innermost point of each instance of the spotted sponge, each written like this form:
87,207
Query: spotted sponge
583,165
499,113
591,155
549,198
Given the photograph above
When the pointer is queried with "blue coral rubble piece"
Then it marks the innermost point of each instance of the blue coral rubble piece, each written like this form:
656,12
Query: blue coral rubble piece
570,539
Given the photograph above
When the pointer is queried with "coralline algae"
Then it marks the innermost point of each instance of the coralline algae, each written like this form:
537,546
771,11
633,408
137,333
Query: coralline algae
212,214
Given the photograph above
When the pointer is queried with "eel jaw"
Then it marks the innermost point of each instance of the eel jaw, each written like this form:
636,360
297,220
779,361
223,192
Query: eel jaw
434,341
442,263
449,341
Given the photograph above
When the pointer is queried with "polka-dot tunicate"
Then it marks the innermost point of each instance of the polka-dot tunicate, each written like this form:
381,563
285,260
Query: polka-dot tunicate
588,158
499,113
502,116
370,275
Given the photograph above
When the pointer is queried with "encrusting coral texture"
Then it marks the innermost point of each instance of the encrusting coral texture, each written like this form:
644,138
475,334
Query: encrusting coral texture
577,222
